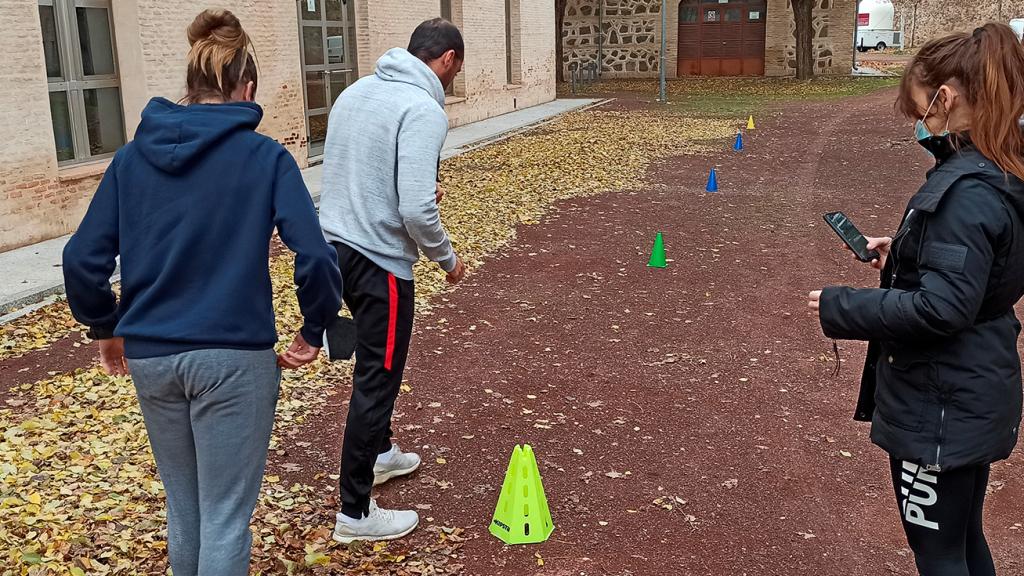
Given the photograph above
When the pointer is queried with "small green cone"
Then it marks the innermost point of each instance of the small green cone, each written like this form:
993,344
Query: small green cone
658,253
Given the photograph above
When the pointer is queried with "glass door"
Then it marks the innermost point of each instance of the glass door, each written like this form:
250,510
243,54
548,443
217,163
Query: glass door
327,42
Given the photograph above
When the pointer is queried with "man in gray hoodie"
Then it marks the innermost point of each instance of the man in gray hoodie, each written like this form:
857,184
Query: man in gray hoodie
379,209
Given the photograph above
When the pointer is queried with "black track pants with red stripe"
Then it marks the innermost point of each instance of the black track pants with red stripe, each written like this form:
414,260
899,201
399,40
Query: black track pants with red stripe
382,307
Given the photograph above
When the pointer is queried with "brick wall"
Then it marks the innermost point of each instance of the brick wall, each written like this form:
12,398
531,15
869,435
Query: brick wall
926,19
159,36
39,200
482,90
35,204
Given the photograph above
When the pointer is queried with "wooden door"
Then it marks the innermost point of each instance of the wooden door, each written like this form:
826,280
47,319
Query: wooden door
711,39
721,38
731,34
754,30
688,63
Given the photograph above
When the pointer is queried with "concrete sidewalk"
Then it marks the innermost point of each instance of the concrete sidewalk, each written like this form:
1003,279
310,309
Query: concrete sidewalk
32,274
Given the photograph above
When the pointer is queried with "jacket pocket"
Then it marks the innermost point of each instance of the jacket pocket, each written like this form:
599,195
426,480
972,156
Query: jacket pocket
907,382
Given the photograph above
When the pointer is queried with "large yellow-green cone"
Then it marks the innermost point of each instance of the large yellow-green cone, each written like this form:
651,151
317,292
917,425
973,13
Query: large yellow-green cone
522,515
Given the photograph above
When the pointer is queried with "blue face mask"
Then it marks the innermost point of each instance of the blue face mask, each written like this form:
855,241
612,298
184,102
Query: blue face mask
935,144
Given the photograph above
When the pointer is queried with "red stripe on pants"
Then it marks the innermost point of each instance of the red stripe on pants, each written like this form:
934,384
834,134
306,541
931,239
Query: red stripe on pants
392,320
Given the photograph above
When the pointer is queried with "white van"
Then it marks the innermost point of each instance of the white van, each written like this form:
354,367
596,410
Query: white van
875,29
1018,26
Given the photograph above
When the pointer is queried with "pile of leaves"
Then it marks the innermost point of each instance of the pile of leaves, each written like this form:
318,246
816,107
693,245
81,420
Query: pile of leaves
36,330
764,88
79,492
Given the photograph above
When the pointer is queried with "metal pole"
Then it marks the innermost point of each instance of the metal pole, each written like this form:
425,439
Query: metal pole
661,66
856,26
600,37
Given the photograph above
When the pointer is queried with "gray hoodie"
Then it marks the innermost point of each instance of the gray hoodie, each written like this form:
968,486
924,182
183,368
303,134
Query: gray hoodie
384,138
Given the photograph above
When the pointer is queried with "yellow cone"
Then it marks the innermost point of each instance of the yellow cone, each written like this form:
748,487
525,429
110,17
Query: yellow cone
522,515
750,123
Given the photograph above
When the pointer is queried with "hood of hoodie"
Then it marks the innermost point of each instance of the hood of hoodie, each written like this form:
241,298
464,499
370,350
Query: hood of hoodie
398,65
172,136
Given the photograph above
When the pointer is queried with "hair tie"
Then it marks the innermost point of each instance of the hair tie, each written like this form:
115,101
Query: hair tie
979,31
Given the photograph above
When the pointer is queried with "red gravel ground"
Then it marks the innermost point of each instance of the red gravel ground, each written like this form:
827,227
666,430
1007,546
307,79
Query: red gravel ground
706,385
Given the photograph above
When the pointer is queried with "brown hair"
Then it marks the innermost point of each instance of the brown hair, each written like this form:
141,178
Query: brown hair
219,60
987,66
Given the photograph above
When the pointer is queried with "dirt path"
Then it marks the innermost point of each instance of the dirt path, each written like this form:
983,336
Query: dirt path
685,419
705,385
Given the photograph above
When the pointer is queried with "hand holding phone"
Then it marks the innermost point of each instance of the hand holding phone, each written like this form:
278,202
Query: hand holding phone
851,236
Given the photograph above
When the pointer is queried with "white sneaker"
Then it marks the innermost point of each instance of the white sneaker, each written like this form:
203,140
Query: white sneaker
379,524
394,463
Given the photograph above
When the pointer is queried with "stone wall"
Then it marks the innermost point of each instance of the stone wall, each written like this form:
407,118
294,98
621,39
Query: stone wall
834,24
631,35
627,35
926,19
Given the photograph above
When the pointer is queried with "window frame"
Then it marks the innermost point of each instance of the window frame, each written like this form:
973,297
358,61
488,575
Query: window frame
458,86
513,41
74,82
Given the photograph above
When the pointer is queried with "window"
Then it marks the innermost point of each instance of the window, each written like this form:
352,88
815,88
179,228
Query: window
689,12
451,10
513,62
82,76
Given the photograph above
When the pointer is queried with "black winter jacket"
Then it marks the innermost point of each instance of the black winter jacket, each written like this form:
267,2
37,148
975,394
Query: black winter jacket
942,381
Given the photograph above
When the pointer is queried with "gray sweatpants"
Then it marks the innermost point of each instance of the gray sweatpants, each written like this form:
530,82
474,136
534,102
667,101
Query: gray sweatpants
209,414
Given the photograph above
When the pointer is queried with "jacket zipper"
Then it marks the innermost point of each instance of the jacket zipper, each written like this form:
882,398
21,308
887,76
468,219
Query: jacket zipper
938,447
901,236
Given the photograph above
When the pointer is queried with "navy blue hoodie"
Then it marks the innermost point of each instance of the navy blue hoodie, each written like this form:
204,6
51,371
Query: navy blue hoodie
190,206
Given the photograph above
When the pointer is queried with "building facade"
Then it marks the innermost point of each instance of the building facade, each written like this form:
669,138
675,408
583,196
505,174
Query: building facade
704,37
77,74
927,19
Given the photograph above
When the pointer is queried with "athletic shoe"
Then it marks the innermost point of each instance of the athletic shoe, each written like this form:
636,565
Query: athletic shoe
379,524
394,463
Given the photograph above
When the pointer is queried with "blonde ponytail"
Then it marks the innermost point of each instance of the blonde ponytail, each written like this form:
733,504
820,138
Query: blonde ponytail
219,59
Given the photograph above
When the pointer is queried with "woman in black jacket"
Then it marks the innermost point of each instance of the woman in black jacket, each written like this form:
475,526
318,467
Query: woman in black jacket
942,381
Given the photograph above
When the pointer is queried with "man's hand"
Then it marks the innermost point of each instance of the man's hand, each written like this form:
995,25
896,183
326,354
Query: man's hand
814,302
439,193
298,354
456,275
112,356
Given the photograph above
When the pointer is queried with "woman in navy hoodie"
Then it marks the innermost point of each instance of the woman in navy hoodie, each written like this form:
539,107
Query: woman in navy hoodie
190,207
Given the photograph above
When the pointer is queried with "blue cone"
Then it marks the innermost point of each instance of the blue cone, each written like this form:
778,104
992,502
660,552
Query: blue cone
712,182
739,142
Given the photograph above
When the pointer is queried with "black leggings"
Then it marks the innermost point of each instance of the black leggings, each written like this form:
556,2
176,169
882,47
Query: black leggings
942,516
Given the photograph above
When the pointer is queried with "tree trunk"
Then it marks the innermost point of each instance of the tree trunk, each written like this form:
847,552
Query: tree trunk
560,6
803,14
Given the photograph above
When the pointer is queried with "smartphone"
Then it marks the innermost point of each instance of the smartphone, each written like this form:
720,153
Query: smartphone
843,226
